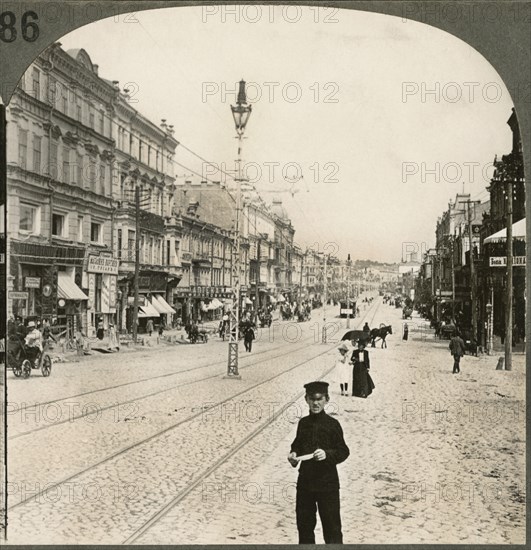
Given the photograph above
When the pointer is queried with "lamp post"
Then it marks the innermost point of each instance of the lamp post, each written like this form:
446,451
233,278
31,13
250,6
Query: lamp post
325,296
241,114
489,328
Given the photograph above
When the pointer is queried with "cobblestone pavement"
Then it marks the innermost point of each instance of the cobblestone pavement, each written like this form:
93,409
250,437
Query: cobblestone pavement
435,457
104,504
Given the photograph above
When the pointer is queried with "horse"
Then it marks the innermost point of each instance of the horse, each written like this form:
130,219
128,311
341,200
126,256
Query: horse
381,333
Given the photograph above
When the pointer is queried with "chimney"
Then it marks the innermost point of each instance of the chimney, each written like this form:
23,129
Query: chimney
95,69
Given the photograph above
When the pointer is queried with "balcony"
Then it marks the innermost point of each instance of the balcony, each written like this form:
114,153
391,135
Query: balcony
201,259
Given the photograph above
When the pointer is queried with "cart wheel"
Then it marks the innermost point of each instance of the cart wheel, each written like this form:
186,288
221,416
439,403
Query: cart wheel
17,370
26,368
46,367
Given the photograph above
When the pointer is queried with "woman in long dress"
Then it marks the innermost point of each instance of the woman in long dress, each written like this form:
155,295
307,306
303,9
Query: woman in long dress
362,384
343,369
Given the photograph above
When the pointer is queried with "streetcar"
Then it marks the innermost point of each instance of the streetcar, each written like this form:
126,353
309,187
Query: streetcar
347,308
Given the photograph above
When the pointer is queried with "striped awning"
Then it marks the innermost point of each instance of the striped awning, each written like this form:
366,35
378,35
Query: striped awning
501,236
67,289
147,310
160,304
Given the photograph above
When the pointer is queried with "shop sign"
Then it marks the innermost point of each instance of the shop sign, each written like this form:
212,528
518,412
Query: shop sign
14,295
32,282
501,261
91,290
105,294
102,264
112,295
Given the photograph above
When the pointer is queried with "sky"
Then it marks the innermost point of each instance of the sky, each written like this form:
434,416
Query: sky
385,119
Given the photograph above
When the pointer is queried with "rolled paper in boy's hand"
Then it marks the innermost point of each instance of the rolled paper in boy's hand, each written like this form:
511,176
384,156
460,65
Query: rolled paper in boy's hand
304,457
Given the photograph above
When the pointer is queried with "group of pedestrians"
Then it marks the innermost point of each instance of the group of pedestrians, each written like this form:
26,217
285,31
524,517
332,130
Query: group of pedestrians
355,371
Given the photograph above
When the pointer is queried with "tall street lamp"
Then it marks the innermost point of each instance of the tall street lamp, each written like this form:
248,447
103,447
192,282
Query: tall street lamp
241,113
489,328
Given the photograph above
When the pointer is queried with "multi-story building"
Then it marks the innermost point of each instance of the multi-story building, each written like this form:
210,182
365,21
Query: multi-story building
507,183
206,212
60,208
144,166
77,152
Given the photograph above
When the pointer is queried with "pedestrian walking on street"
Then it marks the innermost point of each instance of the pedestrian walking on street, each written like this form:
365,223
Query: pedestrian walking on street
318,446
100,333
457,349
406,332
248,336
343,367
362,384
114,343
149,327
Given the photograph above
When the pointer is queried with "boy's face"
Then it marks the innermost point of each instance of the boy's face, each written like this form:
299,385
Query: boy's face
316,402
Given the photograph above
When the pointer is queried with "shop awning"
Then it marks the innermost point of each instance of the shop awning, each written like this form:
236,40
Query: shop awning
147,310
248,301
501,236
272,299
160,304
281,298
67,289
215,304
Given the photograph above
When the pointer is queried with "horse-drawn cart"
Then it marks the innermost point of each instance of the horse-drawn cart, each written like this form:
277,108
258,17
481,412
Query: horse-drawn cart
23,359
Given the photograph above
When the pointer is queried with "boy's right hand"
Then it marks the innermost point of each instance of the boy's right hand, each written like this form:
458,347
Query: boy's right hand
291,459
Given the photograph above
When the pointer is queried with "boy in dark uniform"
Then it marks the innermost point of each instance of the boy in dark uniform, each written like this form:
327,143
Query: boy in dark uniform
320,436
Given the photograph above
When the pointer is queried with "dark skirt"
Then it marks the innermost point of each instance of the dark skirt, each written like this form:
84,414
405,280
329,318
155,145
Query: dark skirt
362,384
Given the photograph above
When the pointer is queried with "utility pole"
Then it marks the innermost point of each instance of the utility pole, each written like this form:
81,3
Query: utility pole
325,297
137,261
453,277
300,282
257,294
509,296
348,292
472,272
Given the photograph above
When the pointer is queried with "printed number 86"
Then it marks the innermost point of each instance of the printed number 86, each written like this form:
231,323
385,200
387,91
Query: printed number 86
8,31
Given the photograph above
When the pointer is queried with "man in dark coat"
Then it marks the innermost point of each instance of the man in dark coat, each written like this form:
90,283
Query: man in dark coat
319,446
457,349
248,335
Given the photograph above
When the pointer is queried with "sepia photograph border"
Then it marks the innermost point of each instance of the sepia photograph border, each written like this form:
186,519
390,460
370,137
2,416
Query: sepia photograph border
503,40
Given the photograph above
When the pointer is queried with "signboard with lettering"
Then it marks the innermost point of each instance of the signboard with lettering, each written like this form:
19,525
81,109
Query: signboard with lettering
15,295
91,291
105,293
501,261
102,264
32,282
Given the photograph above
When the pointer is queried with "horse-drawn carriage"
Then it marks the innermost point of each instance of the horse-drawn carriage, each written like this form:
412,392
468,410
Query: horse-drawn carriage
22,359
265,319
365,336
196,334
407,312
471,345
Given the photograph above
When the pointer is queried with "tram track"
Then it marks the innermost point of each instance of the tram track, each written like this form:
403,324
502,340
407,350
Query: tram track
148,379
160,514
117,404
159,433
